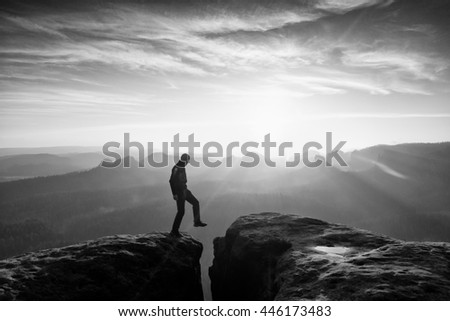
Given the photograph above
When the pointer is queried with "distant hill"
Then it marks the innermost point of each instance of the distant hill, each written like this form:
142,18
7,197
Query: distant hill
401,157
96,178
49,150
32,165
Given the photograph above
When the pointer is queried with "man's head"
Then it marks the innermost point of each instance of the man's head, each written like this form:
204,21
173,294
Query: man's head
185,158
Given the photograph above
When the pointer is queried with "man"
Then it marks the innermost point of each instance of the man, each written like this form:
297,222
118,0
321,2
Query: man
181,194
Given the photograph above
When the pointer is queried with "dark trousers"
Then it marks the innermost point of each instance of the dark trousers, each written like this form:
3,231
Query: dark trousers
182,198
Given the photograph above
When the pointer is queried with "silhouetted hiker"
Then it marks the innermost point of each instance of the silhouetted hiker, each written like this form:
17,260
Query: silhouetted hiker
181,194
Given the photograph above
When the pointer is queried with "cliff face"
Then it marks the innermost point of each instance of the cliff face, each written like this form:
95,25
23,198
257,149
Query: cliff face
270,256
151,266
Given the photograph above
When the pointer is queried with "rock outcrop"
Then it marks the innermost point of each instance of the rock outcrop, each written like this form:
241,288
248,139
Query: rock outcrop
150,266
271,256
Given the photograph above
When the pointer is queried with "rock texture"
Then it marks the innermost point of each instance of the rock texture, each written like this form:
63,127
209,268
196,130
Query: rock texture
151,266
271,256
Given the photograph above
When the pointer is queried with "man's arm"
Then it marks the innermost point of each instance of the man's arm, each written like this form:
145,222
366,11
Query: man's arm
176,184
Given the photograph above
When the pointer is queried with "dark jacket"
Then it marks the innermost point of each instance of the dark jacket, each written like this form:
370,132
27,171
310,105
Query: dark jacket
178,178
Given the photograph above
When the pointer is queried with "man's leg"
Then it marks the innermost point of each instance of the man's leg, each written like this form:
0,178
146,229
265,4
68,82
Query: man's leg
180,213
196,208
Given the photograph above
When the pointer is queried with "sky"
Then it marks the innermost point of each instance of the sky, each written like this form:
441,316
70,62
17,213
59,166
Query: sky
85,72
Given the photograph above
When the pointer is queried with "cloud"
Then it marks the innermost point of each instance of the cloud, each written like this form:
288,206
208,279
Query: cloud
332,83
301,41
343,6
260,21
417,65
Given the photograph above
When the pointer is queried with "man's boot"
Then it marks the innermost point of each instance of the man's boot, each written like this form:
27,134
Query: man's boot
175,234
